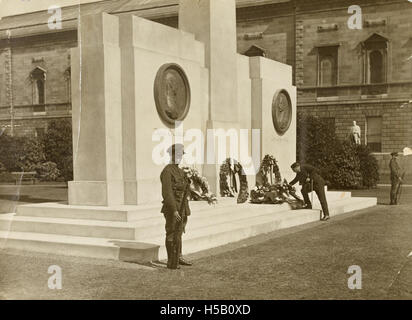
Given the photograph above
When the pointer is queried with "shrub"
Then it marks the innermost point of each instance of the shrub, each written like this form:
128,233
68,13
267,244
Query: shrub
32,155
11,150
317,141
58,146
342,164
47,171
347,173
369,167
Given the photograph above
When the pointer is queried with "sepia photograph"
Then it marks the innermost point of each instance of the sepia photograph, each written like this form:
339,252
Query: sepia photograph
233,151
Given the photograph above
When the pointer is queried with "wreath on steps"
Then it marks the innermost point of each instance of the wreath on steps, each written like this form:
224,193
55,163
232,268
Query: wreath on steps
199,186
228,183
270,189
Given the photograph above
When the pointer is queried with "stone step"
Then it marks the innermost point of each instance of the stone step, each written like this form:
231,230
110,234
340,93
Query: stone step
120,213
127,213
135,230
213,236
59,244
212,217
129,251
205,230
141,229
69,227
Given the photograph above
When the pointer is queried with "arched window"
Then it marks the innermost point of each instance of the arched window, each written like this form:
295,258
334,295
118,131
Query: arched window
376,66
375,52
38,78
328,66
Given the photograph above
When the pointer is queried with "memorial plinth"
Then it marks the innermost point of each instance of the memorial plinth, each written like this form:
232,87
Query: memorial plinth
97,114
133,79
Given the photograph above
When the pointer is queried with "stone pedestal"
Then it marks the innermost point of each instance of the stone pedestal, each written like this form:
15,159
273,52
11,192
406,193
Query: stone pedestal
268,78
146,47
97,122
214,23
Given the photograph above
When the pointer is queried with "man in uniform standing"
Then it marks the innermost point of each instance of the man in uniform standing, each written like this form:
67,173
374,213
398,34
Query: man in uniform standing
396,178
175,208
310,179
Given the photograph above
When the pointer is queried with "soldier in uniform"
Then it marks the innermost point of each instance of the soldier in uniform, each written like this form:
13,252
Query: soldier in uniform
308,176
396,178
175,206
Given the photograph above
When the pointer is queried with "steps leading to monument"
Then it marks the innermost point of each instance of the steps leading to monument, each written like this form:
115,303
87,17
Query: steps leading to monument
209,226
148,225
216,235
59,244
121,213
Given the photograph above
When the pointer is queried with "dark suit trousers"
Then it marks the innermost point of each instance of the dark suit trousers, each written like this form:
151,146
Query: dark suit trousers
395,190
320,192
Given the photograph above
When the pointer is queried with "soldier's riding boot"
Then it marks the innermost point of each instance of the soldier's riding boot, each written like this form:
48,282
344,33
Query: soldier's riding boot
172,258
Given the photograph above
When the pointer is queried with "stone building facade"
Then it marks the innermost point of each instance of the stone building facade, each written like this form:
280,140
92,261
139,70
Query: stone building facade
342,74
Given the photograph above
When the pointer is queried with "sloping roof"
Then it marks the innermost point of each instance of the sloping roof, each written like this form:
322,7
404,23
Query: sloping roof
36,22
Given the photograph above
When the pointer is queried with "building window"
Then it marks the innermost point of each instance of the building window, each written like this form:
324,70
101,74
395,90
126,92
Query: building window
38,78
376,67
67,77
375,51
328,66
374,133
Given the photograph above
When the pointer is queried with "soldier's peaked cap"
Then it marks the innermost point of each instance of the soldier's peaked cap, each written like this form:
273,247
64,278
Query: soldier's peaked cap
176,149
394,153
295,165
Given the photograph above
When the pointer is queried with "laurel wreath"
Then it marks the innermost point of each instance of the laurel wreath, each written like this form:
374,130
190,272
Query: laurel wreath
199,186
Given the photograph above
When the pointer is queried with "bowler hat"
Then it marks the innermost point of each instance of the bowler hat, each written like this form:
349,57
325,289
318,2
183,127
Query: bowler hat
177,148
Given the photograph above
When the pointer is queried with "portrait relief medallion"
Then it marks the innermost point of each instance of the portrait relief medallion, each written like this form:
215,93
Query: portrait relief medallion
281,111
172,93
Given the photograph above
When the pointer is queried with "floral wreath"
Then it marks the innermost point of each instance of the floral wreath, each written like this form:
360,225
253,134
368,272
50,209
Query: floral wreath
230,168
274,190
269,164
199,186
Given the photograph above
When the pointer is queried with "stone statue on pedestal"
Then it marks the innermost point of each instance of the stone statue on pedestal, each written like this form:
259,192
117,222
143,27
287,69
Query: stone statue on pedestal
355,134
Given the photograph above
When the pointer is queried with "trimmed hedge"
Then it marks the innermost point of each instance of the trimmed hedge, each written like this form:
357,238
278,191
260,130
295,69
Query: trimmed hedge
342,164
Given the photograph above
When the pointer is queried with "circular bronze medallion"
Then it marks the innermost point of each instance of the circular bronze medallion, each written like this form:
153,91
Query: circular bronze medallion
281,111
172,93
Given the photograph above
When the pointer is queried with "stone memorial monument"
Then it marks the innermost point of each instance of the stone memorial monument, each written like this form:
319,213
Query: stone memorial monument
134,76
135,82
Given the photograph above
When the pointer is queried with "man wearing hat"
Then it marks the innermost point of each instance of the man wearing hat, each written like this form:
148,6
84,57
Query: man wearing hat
175,206
309,177
396,178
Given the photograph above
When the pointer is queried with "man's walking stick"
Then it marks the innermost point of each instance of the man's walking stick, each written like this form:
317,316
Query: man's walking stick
399,191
